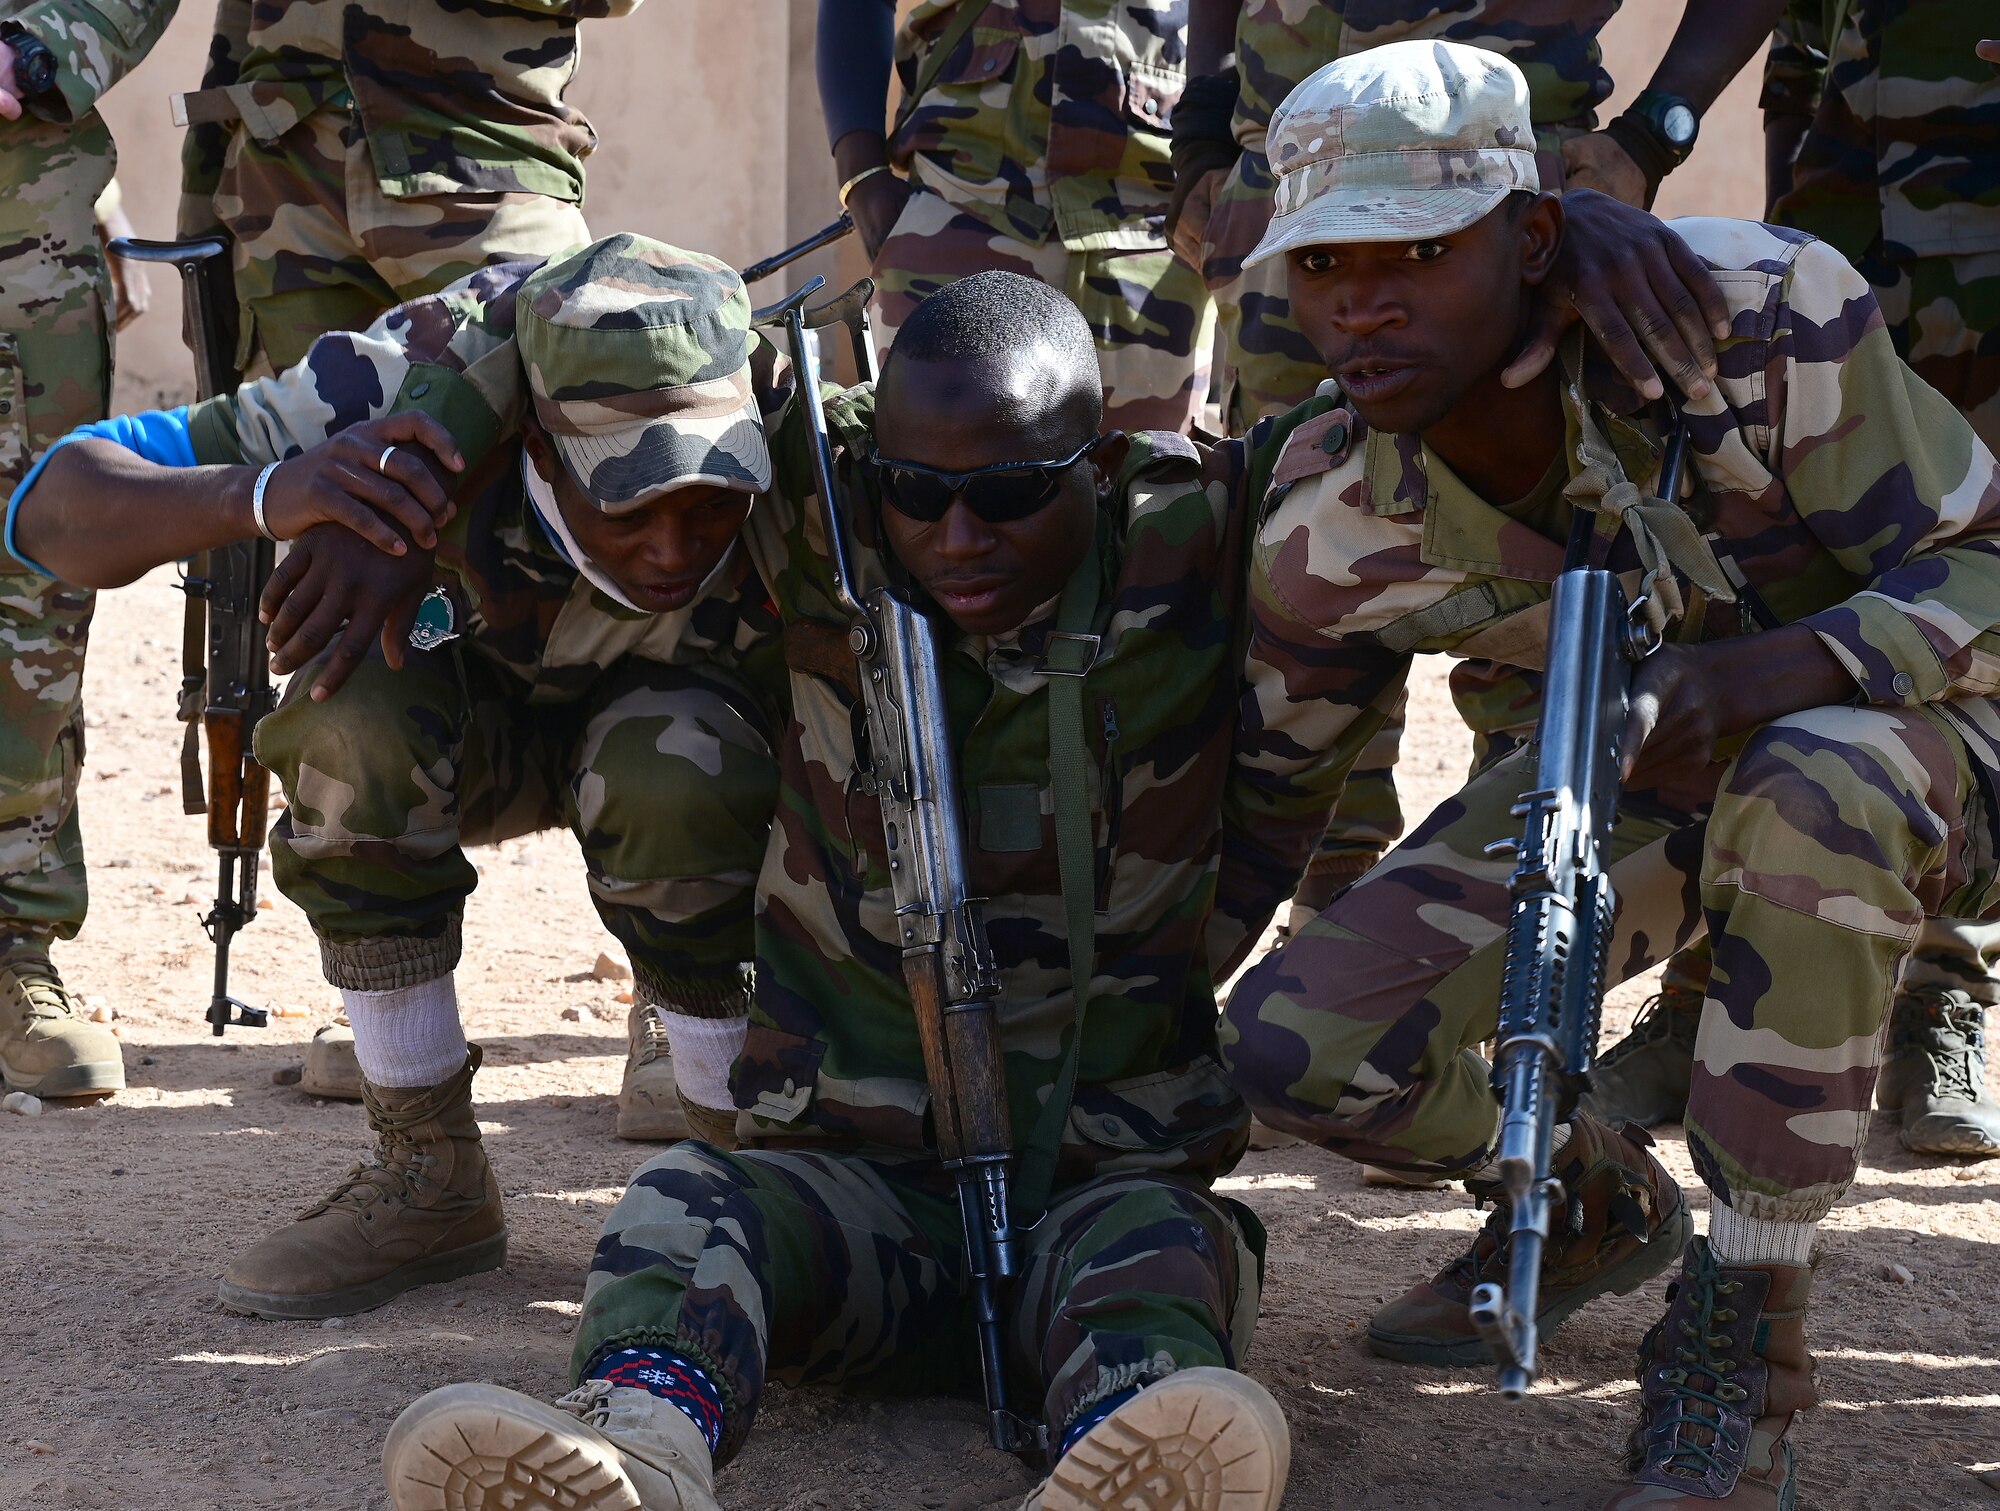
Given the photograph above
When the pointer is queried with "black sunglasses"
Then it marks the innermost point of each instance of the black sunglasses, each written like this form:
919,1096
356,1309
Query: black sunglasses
999,493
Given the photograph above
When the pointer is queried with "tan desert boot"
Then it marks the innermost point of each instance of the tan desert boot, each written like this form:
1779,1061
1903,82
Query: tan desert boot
1721,1378
331,1069
602,1447
424,1208
1202,1439
649,1098
47,1047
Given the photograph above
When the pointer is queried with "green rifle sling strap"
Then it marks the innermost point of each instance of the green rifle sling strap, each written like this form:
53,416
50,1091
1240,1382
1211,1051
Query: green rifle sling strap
936,56
1071,650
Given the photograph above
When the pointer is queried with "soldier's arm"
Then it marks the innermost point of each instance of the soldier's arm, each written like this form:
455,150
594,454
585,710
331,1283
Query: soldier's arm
1712,44
1893,481
113,500
95,43
853,50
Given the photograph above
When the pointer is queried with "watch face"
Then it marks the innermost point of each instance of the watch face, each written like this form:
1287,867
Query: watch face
1678,123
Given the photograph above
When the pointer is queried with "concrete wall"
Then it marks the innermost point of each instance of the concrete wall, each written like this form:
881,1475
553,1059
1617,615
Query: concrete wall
711,138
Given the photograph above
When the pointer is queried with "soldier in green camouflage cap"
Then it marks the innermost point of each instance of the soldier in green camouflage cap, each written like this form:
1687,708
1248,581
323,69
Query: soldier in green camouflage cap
57,57
583,653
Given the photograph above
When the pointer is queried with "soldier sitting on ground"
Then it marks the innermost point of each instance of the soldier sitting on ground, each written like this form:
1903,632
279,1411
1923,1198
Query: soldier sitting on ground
1808,763
830,1249
584,657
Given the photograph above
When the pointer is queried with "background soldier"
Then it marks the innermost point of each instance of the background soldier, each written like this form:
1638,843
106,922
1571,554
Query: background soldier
1910,194
56,58
1034,139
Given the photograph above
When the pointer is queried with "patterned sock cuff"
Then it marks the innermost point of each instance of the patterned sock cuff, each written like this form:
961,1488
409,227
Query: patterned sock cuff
1094,1415
671,1376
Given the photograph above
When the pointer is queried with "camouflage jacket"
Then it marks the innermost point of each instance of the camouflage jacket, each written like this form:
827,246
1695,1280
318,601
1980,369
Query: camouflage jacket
1905,139
454,99
516,598
1051,117
1850,494
1279,42
832,1053
95,42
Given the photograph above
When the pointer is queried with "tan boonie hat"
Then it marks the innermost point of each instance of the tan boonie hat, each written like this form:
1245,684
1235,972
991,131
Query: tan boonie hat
1397,143
638,357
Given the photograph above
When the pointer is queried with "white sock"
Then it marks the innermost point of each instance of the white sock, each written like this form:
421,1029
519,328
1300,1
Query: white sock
1751,1240
410,1037
1491,1169
703,1049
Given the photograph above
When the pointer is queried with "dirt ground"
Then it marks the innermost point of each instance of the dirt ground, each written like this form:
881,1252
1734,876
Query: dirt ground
124,1384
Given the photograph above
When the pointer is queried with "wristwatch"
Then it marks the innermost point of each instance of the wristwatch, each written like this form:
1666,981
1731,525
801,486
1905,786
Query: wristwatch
35,66
1657,131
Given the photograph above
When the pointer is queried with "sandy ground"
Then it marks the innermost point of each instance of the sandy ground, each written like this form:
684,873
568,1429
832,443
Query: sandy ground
122,1383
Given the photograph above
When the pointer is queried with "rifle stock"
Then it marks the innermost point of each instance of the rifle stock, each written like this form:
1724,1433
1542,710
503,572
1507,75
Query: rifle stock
1563,911
909,768
226,681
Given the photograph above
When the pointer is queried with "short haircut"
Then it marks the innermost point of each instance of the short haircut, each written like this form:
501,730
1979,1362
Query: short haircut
996,314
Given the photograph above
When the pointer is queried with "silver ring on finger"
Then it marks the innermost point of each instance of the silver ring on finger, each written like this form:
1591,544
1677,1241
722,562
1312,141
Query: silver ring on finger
382,461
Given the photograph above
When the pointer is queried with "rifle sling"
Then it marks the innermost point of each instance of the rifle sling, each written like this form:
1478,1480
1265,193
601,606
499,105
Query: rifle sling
1071,650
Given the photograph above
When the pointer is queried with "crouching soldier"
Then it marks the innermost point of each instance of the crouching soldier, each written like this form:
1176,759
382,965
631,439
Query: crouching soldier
581,652
829,1249
1809,761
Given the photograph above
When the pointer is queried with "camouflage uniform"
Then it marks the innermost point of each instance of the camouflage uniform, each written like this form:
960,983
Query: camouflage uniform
1854,500
1042,149
55,374
556,704
1899,191
361,157
839,1254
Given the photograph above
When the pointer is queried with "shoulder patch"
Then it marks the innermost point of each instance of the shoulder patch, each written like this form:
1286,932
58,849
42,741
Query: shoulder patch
1319,445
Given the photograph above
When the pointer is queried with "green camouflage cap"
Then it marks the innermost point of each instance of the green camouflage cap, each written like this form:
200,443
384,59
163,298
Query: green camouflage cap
1401,142
638,356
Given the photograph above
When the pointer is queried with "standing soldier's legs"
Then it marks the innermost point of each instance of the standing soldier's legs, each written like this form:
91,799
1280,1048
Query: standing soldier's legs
319,247
55,374
674,878
1148,311
718,1271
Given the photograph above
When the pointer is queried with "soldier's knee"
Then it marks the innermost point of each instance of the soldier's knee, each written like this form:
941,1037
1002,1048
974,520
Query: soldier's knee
676,782
1828,772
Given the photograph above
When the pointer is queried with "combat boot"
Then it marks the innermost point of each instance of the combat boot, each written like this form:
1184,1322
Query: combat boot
1720,1379
651,1104
1644,1077
602,1447
331,1069
47,1047
1202,1439
423,1208
1620,1221
1934,1077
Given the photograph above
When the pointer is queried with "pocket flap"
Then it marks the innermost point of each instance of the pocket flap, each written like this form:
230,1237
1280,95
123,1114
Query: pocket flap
773,1077
1158,1111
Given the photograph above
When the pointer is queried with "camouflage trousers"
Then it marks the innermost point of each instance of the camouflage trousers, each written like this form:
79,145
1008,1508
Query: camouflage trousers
1147,310
1943,314
814,1268
1812,860
665,776
55,374
320,247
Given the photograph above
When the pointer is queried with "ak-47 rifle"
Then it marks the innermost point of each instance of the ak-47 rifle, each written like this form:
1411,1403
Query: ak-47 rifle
1559,934
907,764
226,671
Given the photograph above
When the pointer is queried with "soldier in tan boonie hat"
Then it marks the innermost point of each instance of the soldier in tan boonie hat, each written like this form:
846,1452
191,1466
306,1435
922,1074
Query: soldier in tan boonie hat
1401,142
638,359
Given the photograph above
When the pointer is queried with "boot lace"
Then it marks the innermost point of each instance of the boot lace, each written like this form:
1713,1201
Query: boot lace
1695,1413
1934,1016
1663,1019
398,1166
43,996
590,1402
651,1043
